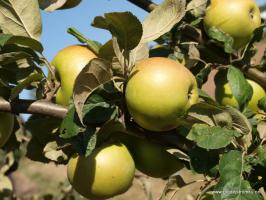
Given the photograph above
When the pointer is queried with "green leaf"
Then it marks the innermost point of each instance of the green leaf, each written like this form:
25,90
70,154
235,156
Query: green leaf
206,97
101,104
86,141
220,36
43,130
54,153
21,18
33,77
241,89
22,41
162,19
92,45
197,7
262,104
202,76
107,51
203,161
211,137
97,72
231,185
123,25
51,5
261,155
71,125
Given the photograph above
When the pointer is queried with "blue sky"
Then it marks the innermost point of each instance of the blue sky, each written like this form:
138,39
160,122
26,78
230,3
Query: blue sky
55,24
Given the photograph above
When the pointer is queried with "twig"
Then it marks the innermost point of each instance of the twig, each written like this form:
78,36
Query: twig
33,107
144,4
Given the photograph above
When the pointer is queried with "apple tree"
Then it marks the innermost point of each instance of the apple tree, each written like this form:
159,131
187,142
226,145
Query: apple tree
105,110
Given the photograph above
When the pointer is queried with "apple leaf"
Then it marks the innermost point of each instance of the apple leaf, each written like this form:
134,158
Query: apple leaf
43,130
260,158
123,25
54,153
6,186
197,7
22,41
211,137
262,103
203,161
220,36
95,73
231,184
71,125
92,45
85,142
241,89
101,104
33,77
261,128
21,18
51,5
202,76
107,51
21,57
162,19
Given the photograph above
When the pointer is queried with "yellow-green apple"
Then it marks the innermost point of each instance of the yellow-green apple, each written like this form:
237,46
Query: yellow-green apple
224,96
6,127
68,63
150,158
160,91
106,172
238,18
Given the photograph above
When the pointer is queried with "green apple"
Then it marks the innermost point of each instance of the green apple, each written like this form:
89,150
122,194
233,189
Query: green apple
238,18
224,96
150,158
68,63
160,91
107,172
6,127
70,4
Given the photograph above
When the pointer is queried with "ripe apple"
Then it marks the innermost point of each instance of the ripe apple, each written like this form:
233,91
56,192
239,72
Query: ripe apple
6,127
70,4
151,158
158,92
238,18
107,172
68,64
224,96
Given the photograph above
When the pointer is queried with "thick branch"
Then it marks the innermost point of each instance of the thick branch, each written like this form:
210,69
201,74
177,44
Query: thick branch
144,4
256,75
33,107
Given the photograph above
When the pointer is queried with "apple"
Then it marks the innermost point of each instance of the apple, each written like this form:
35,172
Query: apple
238,18
68,63
224,96
150,158
106,172
160,91
70,4
6,127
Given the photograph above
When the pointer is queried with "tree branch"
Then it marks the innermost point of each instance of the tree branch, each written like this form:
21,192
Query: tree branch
256,75
33,107
144,4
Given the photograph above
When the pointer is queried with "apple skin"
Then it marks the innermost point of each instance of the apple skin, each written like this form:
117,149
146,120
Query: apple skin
6,127
70,4
238,18
107,172
158,92
224,96
150,158
68,64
